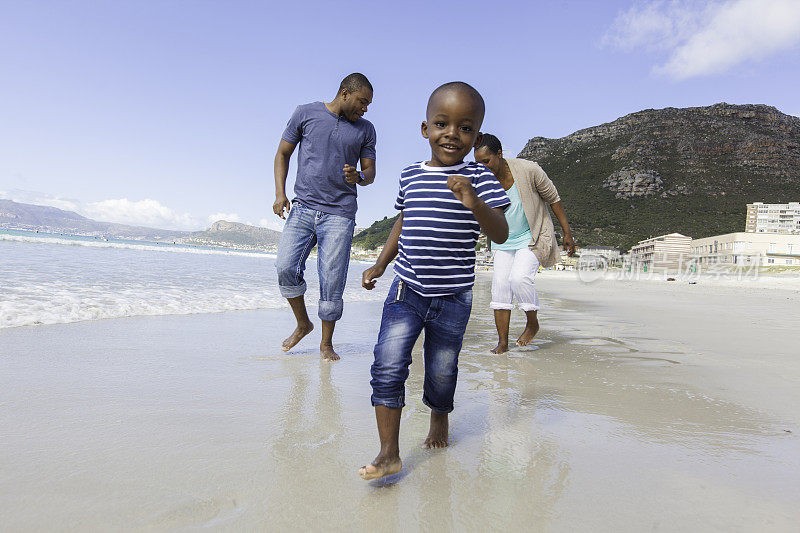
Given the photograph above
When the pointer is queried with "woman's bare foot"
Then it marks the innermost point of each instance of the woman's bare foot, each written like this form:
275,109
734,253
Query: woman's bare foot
328,354
300,331
531,329
380,467
500,348
439,432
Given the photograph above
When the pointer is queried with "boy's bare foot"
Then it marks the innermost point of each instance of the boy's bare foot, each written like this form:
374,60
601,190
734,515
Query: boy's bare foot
380,467
328,354
531,329
438,433
300,331
500,348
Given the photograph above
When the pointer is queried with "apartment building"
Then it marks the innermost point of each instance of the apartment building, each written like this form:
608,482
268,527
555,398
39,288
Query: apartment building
665,251
748,248
773,218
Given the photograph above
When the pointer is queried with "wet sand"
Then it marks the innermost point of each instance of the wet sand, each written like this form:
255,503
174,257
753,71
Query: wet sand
639,406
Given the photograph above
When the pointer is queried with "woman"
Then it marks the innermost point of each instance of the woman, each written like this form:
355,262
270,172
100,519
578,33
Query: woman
531,237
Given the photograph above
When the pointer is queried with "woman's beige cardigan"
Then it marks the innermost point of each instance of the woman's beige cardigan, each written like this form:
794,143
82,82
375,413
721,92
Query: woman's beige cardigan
537,192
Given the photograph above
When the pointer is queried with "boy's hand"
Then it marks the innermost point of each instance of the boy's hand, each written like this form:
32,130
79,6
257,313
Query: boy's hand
370,275
463,191
281,203
351,175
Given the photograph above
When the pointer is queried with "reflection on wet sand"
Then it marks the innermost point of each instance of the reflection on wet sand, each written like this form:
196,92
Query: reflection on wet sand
601,423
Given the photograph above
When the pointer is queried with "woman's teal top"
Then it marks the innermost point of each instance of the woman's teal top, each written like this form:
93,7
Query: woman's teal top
519,232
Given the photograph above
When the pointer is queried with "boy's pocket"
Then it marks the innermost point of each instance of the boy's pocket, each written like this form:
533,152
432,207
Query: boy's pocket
397,293
400,293
464,297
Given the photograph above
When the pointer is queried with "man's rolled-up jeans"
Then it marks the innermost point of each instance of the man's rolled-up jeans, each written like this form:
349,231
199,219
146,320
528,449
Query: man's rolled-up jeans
406,314
333,235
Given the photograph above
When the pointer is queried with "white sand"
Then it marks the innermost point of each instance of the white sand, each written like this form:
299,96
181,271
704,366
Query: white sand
641,406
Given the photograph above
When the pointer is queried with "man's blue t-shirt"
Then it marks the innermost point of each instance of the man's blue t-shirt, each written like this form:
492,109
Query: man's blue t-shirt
328,142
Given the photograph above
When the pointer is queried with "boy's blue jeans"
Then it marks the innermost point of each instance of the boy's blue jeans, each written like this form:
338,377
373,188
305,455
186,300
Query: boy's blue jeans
333,235
405,315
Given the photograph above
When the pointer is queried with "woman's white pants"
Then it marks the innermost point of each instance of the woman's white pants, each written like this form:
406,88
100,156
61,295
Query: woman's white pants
513,279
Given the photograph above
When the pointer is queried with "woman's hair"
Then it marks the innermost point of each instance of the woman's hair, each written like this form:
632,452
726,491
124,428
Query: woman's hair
491,142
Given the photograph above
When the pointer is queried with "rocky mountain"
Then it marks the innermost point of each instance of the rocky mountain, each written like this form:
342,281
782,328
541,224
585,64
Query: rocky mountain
690,170
236,235
14,215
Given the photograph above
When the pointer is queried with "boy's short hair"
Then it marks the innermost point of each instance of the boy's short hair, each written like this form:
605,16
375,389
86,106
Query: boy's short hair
459,86
353,82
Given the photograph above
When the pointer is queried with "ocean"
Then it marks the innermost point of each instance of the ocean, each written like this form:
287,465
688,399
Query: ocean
53,279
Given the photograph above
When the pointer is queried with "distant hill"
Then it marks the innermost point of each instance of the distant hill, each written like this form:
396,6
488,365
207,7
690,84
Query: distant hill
236,234
691,171
14,215
375,235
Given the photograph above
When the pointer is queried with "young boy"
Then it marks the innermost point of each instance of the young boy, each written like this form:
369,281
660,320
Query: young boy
443,204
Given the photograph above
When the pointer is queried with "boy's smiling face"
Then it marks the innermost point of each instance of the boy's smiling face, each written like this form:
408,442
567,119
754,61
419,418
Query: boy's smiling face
452,127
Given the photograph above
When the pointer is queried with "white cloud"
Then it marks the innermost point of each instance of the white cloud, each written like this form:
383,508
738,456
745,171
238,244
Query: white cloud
227,217
148,212
655,25
272,223
707,37
37,198
145,212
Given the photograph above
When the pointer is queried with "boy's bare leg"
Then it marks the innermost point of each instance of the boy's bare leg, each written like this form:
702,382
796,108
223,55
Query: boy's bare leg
304,325
531,329
502,317
439,432
388,460
326,345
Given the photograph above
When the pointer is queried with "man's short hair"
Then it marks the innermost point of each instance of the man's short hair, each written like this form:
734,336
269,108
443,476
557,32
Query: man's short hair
353,82
491,142
460,86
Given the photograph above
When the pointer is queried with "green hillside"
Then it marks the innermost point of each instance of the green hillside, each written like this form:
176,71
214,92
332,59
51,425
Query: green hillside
376,234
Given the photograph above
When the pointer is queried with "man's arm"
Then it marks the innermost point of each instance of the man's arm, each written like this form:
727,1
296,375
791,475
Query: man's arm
352,176
561,215
282,157
492,220
388,253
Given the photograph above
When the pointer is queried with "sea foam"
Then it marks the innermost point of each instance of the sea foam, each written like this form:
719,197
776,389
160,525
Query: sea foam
49,280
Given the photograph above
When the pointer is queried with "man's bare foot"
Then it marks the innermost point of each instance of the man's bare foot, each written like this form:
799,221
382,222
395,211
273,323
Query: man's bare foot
500,348
531,329
300,331
380,467
438,433
327,352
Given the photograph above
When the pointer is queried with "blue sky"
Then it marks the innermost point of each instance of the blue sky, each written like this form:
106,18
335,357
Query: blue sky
167,113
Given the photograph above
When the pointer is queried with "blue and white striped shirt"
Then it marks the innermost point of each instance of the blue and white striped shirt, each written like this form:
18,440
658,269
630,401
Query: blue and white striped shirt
436,252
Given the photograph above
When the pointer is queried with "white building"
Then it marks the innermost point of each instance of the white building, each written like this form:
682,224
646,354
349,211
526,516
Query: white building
773,218
665,251
748,248
610,254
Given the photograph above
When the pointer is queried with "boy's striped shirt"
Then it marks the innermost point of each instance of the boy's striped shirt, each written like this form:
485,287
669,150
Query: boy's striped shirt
436,254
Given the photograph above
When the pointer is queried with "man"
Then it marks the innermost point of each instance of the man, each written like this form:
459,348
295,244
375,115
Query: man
334,139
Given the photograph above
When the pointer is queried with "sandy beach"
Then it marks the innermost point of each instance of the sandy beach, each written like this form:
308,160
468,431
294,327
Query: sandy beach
640,406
